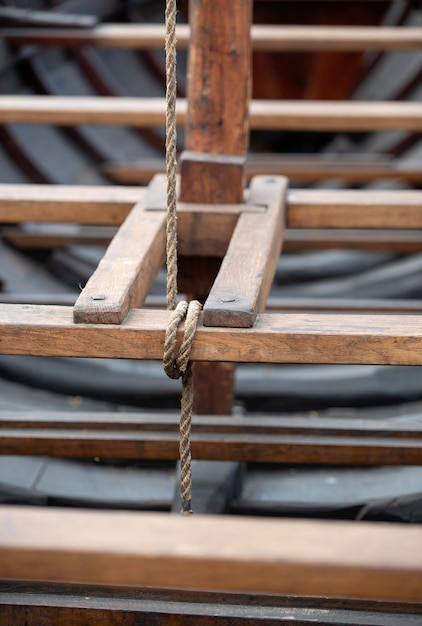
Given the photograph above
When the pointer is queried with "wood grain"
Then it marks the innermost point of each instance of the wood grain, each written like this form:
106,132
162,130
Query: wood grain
274,38
243,283
276,337
314,208
130,265
264,440
264,114
307,168
318,558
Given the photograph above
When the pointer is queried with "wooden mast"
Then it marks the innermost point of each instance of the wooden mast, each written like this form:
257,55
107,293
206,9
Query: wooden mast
217,136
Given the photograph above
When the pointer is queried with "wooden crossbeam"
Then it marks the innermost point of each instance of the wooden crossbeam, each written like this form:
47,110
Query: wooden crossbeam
264,114
257,440
399,241
275,338
336,559
309,169
305,208
267,38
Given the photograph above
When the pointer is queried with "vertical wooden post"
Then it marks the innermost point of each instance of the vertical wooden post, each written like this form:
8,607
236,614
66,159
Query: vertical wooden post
217,138
219,86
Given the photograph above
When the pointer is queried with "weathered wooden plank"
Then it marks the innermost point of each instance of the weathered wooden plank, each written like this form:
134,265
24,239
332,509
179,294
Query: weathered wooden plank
98,204
276,304
229,424
42,604
243,283
354,209
308,168
263,440
297,557
274,38
214,234
127,270
103,205
264,114
276,338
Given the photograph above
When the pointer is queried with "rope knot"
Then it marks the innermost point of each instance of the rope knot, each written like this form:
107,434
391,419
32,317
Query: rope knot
175,365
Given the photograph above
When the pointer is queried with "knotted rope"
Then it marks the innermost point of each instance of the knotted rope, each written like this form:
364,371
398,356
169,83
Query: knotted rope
176,365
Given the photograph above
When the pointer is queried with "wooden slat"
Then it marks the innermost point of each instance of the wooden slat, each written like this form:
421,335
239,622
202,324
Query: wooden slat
297,557
275,338
243,283
400,241
264,37
308,168
263,440
40,604
130,265
354,209
367,305
305,208
264,114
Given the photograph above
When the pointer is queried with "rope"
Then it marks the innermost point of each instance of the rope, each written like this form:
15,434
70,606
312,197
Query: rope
171,152
176,365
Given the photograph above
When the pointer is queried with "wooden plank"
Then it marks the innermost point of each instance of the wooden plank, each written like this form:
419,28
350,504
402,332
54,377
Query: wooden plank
309,169
404,428
400,241
42,604
316,208
274,304
354,209
275,440
269,38
243,283
264,114
200,552
218,236
275,338
130,265
99,204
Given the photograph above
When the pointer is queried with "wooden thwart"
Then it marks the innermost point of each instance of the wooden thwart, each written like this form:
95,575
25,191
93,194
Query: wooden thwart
306,169
264,114
336,559
270,38
275,338
314,208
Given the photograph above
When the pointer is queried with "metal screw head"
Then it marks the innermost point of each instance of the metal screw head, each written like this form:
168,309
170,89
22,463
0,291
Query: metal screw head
98,296
228,299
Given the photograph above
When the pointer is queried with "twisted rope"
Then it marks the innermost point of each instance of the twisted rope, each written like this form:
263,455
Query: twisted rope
176,365
171,152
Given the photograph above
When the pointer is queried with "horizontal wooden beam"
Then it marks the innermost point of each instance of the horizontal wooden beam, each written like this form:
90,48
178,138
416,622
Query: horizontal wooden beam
257,440
264,37
301,557
264,114
399,241
104,205
34,604
303,168
275,338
